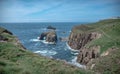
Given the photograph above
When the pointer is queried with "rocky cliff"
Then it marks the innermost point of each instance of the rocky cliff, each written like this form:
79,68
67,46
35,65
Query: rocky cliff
77,41
94,41
87,54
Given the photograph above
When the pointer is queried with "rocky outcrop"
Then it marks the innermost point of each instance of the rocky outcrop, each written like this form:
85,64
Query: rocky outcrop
2,30
49,36
86,54
2,38
78,40
43,36
50,27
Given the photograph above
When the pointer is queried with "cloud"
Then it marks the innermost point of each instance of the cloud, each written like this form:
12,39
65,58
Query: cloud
57,10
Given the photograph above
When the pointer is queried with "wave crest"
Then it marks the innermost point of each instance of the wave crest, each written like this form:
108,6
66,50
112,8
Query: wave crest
46,52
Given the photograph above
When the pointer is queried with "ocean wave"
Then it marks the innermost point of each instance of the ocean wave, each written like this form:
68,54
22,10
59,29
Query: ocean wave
46,52
71,48
34,40
74,62
75,53
45,42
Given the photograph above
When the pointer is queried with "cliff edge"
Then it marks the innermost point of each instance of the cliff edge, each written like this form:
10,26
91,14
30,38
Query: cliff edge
96,42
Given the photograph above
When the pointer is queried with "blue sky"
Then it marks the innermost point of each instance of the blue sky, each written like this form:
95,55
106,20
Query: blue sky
58,10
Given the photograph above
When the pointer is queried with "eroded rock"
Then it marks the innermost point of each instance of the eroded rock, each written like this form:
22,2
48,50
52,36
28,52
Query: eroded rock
77,41
86,54
49,36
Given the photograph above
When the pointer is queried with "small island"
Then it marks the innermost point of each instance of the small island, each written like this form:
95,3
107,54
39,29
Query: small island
51,28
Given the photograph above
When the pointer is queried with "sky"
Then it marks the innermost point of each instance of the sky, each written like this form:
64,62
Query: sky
58,10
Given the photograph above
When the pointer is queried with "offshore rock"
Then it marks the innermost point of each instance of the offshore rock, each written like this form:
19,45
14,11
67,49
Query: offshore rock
49,36
50,27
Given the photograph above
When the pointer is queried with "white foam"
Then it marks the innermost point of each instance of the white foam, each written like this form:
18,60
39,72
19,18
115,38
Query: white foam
75,53
74,62
34,40
71,48
43,29
45,42
46,52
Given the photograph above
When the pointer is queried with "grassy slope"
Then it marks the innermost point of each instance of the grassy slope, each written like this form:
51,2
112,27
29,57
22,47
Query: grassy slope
16,60
110,30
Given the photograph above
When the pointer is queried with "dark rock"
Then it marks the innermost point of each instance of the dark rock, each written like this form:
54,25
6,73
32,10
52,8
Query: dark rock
3,38
50,27
2,30
49,36
43,36
63,32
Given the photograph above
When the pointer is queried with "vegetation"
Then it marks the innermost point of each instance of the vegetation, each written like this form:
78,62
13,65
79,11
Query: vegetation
109,29
110,38
14,59
109,64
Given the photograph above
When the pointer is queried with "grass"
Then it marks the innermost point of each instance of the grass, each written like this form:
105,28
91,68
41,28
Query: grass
108,64
14,59
110,31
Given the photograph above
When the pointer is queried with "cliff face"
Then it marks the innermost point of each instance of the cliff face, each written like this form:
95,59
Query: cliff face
99,45
77,41
86,54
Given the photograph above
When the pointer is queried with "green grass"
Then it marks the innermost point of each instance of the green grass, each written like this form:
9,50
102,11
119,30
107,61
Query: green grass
109,29
108,64
16,60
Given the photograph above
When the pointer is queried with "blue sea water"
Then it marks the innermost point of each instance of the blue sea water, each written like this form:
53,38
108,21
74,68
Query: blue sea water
28,33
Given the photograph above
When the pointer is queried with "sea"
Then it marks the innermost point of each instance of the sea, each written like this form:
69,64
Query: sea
28,34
